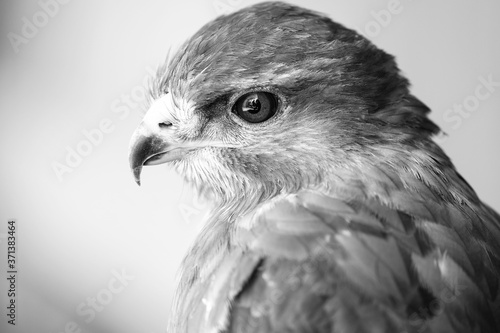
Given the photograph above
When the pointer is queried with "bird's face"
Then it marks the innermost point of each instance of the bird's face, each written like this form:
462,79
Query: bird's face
268,97
252,135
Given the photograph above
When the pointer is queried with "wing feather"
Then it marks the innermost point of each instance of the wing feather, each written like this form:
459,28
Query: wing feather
396,263
320,261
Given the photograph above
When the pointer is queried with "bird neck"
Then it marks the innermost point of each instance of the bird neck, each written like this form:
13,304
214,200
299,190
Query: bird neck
420,170
369,171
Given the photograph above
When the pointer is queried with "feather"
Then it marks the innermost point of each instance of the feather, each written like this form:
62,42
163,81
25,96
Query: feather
337,213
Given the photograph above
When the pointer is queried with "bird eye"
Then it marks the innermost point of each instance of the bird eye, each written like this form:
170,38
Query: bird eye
256,107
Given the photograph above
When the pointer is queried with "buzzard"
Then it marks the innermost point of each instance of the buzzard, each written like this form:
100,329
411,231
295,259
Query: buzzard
333,208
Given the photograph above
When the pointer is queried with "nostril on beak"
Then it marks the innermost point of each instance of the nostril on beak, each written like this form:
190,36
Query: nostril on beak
165,124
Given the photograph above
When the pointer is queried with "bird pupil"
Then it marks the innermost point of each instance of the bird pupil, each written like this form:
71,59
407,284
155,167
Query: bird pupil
256,107
252,105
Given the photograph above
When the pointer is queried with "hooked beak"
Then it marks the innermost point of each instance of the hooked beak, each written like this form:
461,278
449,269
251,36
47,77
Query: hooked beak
152,142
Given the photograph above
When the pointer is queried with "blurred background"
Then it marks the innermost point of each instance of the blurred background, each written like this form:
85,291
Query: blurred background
95,252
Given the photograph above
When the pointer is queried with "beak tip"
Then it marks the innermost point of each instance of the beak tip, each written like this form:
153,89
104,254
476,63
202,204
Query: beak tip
137,174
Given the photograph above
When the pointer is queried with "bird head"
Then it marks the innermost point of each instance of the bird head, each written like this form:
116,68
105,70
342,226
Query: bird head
269,98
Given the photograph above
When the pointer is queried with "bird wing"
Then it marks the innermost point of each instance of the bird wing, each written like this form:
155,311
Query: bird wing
391,255
334,265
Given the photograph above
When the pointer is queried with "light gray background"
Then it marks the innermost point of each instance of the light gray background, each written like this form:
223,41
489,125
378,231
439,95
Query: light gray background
73,232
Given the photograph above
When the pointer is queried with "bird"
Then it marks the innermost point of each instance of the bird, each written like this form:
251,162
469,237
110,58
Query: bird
333,209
